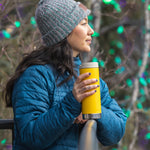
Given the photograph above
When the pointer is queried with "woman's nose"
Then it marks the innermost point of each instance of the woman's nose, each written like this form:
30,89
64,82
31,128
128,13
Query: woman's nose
91,31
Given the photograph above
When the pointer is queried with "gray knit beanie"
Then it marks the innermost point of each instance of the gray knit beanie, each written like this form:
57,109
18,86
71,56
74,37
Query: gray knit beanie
57,18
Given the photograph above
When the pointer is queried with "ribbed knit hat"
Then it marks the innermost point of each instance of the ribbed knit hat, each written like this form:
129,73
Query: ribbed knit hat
57,18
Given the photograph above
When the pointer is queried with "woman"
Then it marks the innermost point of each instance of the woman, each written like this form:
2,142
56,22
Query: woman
46,90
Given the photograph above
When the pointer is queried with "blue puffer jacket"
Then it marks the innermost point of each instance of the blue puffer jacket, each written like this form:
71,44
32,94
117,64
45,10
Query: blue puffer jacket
44,113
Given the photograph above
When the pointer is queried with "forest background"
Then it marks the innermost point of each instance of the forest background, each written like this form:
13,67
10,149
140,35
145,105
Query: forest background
121,44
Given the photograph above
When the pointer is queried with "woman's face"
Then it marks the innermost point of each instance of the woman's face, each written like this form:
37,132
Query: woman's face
80,38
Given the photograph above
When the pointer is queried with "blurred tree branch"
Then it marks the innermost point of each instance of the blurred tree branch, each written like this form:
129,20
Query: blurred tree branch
141,71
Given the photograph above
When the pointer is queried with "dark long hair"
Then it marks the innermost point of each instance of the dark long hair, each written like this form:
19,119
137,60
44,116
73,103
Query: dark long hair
59,55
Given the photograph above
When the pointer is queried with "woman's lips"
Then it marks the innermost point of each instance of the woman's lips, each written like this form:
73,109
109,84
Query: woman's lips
89,41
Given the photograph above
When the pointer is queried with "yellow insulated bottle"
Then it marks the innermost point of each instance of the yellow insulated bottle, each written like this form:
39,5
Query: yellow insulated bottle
91,105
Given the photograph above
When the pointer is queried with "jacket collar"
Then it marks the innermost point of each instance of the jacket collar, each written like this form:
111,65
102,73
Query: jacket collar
77,63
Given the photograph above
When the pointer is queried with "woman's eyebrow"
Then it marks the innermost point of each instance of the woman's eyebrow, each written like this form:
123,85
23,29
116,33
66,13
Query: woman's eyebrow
86,19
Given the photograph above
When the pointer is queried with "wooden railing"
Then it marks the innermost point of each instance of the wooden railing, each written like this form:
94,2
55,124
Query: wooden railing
7,124
88,139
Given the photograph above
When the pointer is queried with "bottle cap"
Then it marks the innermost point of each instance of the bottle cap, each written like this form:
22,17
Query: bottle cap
89,65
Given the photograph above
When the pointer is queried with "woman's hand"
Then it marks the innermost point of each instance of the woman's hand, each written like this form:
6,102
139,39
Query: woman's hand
79,119
81,87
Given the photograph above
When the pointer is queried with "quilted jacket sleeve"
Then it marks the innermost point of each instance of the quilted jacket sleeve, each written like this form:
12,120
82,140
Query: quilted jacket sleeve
37,124
111,126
